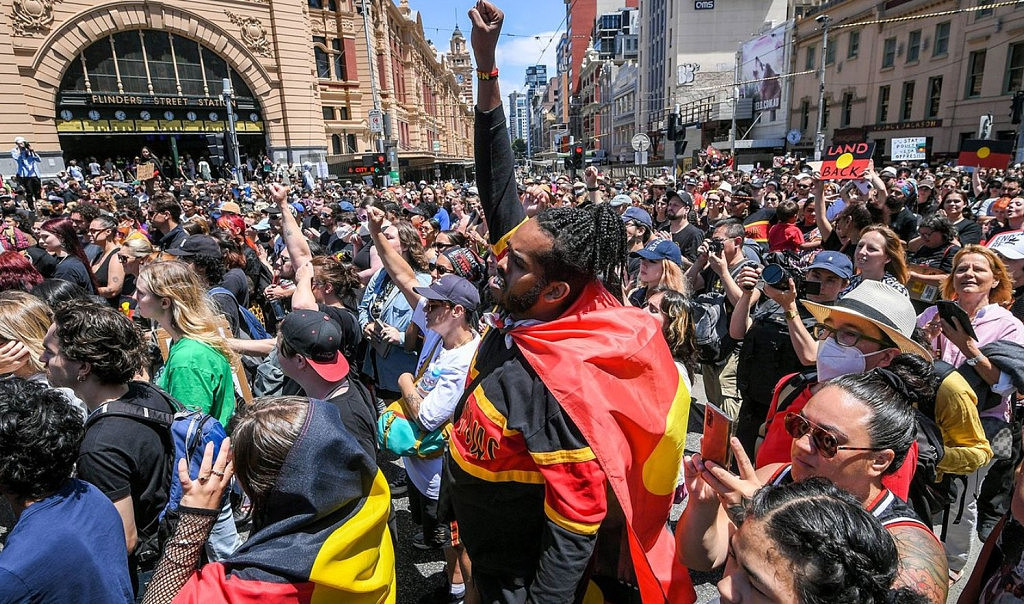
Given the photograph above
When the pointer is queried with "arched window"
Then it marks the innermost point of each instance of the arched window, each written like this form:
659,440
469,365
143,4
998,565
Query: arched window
150,62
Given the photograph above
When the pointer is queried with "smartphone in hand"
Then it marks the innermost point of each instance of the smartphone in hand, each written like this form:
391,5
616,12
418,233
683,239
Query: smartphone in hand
718,430
954,314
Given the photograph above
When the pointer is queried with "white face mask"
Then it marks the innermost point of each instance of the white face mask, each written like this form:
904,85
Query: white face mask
835,360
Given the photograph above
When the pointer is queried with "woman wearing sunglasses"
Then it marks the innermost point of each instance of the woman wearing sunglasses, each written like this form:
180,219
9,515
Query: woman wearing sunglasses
854,431
108,268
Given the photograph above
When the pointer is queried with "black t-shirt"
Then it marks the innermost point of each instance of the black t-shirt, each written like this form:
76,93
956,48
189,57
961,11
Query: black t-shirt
833,243
125,457
236,281
688,239
904,223
936,257
44,262
71,269
1017,309
968,231
359,414
349,328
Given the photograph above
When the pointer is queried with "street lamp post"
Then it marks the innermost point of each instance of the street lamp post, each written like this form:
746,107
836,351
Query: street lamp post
236,160
819,135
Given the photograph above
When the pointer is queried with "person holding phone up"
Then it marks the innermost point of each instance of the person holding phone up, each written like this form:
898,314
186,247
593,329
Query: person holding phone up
982,287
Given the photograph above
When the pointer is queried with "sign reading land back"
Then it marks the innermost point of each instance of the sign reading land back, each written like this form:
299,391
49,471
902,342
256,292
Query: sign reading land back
846,162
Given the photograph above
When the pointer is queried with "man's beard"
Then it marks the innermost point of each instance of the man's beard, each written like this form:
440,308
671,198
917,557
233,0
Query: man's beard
518,304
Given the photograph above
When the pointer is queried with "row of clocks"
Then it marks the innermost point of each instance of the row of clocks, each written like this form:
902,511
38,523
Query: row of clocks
191,116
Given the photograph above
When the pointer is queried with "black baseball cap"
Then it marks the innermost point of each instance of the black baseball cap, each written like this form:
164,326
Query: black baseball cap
317,337
451,288
197,245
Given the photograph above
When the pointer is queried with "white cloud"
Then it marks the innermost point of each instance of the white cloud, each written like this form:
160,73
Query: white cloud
515,54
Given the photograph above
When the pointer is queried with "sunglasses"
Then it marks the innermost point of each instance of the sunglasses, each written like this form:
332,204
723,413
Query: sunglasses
124,258
824,441
432,306
441,270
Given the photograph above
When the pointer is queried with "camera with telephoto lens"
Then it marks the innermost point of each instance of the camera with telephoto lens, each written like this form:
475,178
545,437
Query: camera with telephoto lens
780,267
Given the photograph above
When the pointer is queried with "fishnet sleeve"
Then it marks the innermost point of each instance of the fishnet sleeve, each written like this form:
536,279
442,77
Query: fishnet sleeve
181,554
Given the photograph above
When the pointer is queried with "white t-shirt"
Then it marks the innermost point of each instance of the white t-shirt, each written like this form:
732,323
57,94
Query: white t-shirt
439,404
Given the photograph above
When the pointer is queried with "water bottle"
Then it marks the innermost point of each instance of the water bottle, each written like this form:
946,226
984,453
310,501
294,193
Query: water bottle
428,381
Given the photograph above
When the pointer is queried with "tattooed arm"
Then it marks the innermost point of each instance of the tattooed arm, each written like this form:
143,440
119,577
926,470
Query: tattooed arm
922,562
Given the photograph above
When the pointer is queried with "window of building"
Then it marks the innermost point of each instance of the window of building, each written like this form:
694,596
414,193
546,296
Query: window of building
883,104
1014,68
889,53
853,45
934,96
809,60
975,73
328,113
336,144
847,115
343,110
981,13
805,114
941,45
340,69
914,46
830,54
352,145
907,105
323,62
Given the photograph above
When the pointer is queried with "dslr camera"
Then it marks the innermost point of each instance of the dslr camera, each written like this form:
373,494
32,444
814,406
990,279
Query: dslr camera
780,267
715,246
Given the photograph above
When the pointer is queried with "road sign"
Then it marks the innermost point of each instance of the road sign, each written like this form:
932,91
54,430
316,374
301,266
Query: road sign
641,142
640,157
376,120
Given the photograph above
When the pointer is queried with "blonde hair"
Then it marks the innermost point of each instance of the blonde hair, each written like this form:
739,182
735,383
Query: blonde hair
895,251
139,247
193,311
672,277
25,318
1001,294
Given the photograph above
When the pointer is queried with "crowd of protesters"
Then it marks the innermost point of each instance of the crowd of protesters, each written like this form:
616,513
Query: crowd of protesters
527,345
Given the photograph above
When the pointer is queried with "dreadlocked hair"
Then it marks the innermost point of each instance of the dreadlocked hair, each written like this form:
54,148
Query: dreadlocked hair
589,243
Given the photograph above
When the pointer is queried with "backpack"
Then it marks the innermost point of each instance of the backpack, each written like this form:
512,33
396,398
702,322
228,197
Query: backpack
711,324
189,433
253,326
926,496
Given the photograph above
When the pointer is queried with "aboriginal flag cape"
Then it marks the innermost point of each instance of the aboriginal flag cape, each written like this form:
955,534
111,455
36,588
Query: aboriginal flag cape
325,538
610,369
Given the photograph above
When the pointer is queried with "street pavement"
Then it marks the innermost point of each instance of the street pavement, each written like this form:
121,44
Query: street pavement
421,572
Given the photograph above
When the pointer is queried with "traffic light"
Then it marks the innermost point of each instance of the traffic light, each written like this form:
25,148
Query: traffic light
1017,107
380,164
576,158
672,127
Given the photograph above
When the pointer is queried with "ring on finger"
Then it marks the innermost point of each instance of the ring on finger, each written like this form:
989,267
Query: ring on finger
221,474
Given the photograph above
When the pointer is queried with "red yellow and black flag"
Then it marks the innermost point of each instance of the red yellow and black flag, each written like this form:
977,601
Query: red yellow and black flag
985,154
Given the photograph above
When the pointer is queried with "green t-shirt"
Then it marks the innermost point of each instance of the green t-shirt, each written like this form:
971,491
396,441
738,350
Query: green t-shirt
199,377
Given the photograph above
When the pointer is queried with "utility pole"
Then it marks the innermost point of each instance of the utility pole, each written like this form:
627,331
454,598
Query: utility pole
236,160
819,135
735,107
373,71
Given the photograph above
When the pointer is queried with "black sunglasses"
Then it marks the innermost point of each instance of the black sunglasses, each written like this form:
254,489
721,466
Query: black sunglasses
824,441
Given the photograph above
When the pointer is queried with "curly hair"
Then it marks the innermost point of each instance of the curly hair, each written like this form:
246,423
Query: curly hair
17,272
40,434
25,318
1002,291
837,550
342,277
193,312
939,224
589,243
105,338
262,434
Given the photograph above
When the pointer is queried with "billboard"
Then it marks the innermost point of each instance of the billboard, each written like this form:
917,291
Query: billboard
762,60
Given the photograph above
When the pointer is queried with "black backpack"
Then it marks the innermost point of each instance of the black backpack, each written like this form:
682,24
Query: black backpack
710,315
928,497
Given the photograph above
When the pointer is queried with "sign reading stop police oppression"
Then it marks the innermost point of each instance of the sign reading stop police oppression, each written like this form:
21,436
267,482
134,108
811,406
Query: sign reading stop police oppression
846,162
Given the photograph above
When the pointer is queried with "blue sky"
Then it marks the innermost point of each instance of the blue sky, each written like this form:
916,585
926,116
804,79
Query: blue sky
533,22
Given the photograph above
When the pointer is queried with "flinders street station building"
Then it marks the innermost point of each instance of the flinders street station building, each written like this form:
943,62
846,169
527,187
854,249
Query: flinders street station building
102,79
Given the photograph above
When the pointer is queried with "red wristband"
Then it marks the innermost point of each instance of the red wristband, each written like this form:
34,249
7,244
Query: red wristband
484,75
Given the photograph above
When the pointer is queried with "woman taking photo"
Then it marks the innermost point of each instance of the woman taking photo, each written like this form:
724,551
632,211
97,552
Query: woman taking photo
59,238
108,268
955,208
854,431
198,370
880,256
981,285
843,234
320,510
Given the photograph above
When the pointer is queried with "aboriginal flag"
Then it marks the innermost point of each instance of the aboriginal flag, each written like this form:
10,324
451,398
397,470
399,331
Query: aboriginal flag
985,154
611,370
323,537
